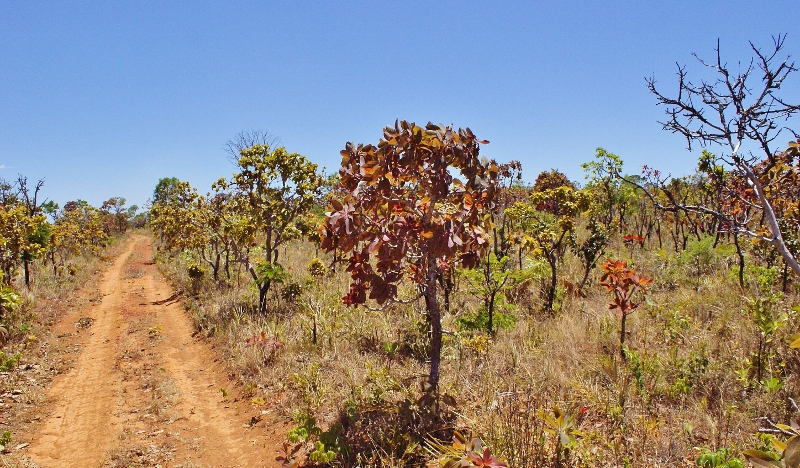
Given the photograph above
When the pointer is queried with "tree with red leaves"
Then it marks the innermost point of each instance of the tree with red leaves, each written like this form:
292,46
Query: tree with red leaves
623,283
415,205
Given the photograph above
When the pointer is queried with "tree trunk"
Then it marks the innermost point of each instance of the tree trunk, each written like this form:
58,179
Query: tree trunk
435,317
785,276
551,290
27,265
622,337
490,311
741,259
586,273
263,288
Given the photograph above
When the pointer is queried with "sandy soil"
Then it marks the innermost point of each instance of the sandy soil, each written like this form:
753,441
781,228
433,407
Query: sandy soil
143,391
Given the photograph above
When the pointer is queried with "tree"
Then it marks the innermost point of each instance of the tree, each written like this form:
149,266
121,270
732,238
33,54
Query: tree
509,191
590,250
623,283
731,111
29,198
78,229
406,214
547,224
164,189
116,213
173,216
17,237
601,174
277,187
490,282
551,179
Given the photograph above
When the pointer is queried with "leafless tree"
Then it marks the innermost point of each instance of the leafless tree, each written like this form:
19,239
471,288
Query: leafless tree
732,109
29,196
248,139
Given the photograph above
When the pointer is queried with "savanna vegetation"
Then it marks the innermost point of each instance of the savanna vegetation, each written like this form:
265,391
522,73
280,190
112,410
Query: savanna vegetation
427,306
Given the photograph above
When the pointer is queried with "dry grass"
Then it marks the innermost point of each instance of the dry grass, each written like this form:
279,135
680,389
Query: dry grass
687,386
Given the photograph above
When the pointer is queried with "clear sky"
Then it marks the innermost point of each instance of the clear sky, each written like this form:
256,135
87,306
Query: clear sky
102,99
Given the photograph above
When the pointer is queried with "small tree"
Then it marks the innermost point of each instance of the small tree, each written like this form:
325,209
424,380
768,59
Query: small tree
406,214
547,225
17,237
489,282
601,175
590,250
116,213
277,187
623,283
29,198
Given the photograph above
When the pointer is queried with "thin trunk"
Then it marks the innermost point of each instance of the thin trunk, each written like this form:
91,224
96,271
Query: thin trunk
586,273
491,313
435,317
658,233
263,288
741,259
622,336
785,276
551,291
215,268
314,331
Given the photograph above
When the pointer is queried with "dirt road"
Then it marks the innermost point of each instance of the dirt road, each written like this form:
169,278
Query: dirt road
143,392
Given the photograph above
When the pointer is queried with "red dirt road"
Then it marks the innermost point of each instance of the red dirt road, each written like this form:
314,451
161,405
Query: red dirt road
143,391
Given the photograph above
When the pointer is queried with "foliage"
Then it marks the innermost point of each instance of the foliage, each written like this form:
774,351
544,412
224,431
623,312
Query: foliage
18,232
720,458
116,215
8,363
317,268
606,188
789,451
591,249
9,299
327,445
78,229
552,179
768,321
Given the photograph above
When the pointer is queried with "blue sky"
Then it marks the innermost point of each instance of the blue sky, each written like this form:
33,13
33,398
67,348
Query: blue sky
104,98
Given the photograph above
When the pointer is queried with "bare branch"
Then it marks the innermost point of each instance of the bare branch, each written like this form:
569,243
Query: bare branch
248,139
